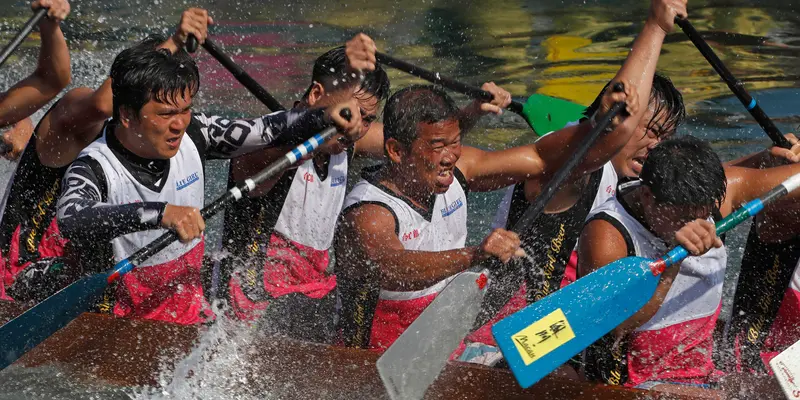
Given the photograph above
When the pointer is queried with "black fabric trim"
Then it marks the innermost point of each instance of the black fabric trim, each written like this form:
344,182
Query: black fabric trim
377,203
147,172
461,180
631,249
97,169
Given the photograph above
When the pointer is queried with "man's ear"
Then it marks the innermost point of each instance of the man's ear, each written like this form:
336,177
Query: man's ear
395,150
125,116
315,94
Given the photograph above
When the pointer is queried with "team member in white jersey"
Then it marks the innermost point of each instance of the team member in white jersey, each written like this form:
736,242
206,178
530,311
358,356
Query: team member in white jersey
17,104
403,229
280,237
29,236
146,172
671,337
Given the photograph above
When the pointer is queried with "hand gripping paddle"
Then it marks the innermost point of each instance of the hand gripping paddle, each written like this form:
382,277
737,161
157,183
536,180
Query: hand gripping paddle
411,364
32,327
541,337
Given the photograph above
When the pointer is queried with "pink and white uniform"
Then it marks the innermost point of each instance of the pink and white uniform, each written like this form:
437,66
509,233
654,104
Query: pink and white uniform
440,228
676,344
297,255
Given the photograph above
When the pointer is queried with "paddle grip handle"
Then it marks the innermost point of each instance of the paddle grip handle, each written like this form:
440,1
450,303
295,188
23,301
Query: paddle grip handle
23,33
735,85
231,196
434,77
240,74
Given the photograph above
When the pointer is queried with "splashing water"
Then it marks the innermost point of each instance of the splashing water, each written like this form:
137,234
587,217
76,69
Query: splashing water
216,368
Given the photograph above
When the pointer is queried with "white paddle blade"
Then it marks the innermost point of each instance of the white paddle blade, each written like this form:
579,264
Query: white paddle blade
786,367
411,364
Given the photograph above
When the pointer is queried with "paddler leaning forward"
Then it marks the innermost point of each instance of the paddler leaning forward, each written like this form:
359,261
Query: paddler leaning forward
30,196
33,248
146,173
404,225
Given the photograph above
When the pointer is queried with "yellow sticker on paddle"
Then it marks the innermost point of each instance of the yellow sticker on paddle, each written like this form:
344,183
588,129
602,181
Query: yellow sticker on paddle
543,336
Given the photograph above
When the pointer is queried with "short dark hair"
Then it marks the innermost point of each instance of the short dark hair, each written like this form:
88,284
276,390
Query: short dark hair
666,100
144,72
416,104
331,70
685,171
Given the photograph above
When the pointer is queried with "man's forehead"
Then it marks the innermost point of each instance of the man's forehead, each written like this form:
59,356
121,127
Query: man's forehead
446,129
367,101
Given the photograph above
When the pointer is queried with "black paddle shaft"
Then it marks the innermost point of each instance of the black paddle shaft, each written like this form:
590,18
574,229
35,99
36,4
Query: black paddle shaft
507,275
435,77
26,30
243,77
736,86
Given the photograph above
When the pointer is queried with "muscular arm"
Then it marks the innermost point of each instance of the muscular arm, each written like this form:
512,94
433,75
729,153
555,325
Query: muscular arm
371,145
228,138
84,217
780,220
52,75
367,237
601,244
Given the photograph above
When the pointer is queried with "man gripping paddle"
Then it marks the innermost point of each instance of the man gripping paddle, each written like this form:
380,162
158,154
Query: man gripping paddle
30,239
670,339
281,235
403,230
146,173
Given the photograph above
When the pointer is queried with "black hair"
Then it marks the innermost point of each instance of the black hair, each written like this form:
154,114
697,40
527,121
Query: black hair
331,70
666,101
144,72
685,171
416,104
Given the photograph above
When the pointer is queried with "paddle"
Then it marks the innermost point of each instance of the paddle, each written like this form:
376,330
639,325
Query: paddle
541,337
243,77
736,86
786,367
411,364
35,325
23,33
543,112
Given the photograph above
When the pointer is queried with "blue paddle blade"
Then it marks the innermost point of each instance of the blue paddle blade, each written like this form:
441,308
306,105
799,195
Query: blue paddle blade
541,337
35,325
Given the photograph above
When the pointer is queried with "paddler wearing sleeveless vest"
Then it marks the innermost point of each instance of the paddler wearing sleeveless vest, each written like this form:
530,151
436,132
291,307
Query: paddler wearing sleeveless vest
551,239
670,339
146,173
24,223
37,268
403,228
280,237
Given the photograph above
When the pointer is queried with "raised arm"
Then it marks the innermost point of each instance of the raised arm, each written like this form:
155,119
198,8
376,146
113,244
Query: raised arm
230,138
52,74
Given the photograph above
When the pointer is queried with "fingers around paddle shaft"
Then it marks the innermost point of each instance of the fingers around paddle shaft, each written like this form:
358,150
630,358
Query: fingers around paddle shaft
191,44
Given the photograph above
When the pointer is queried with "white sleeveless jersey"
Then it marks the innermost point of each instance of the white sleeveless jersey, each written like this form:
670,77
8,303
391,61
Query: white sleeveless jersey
184,187
443,228
696,292
312,206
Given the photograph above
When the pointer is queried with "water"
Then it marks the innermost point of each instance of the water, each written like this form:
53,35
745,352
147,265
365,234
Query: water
568,49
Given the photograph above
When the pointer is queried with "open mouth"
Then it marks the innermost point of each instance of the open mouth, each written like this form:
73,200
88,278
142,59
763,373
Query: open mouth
445,177
638,163
174,142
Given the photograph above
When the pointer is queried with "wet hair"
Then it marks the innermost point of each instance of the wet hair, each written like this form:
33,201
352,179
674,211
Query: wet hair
416,104
144,72
332,72
685,171
666,101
